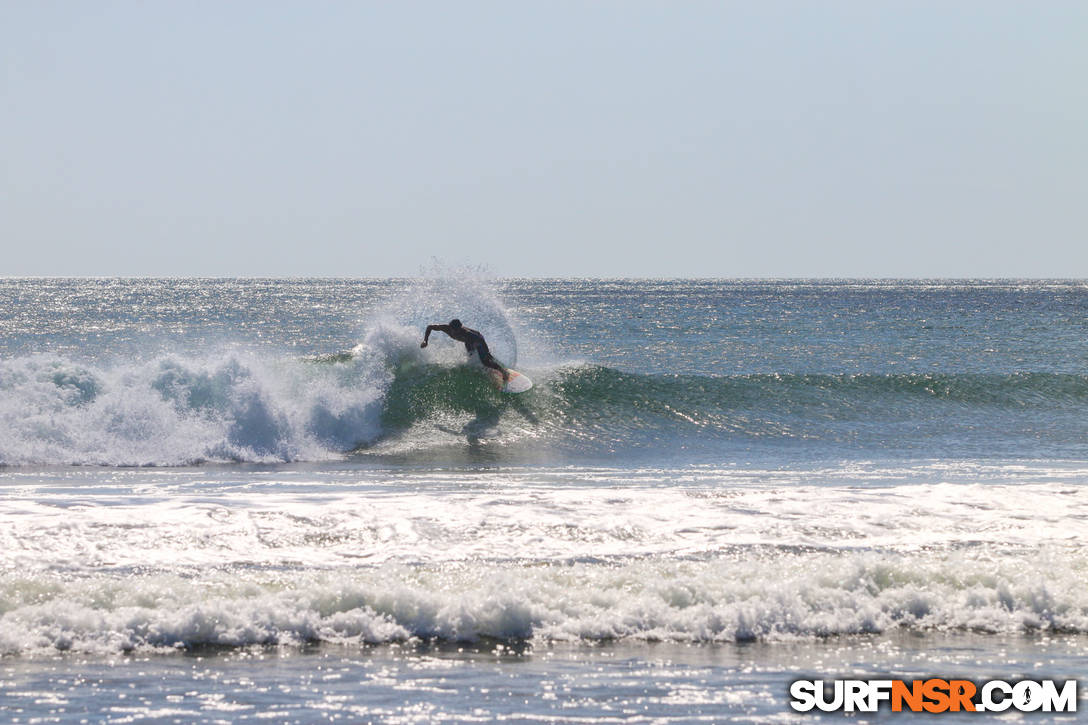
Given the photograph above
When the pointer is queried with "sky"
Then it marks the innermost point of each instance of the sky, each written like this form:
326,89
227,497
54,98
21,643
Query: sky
578,139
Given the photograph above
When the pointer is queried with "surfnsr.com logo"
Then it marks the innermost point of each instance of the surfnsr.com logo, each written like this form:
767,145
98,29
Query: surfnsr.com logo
934,695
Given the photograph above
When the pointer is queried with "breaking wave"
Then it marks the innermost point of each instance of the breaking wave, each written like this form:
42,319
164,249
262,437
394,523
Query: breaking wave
771,596
180,411
387,397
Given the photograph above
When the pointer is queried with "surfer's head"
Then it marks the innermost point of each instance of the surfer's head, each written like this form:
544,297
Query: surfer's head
455,324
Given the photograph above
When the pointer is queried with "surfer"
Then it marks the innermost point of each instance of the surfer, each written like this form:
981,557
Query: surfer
474,342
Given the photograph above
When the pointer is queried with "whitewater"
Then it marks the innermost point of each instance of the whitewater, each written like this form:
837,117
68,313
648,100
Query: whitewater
260,498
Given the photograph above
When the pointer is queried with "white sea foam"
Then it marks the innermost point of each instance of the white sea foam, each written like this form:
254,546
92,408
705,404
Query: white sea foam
188,558
179,410
768,596
432,519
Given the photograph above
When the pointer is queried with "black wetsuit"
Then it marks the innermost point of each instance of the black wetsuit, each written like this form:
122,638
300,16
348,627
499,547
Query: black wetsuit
477,344
474,342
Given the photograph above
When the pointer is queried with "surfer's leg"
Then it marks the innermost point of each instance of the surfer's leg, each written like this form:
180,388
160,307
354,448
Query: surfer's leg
488,361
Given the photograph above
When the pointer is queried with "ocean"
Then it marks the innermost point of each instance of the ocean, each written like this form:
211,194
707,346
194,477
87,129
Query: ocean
228,500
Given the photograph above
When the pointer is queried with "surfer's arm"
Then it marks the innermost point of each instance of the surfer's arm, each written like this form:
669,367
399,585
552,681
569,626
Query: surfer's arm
433,328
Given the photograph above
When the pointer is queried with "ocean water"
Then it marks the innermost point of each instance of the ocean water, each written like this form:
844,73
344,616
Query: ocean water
230,500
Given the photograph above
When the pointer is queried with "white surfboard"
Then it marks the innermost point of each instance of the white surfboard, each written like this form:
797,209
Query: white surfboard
518,383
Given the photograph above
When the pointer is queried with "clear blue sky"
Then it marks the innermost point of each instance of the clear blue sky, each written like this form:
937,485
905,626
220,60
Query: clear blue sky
617,138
